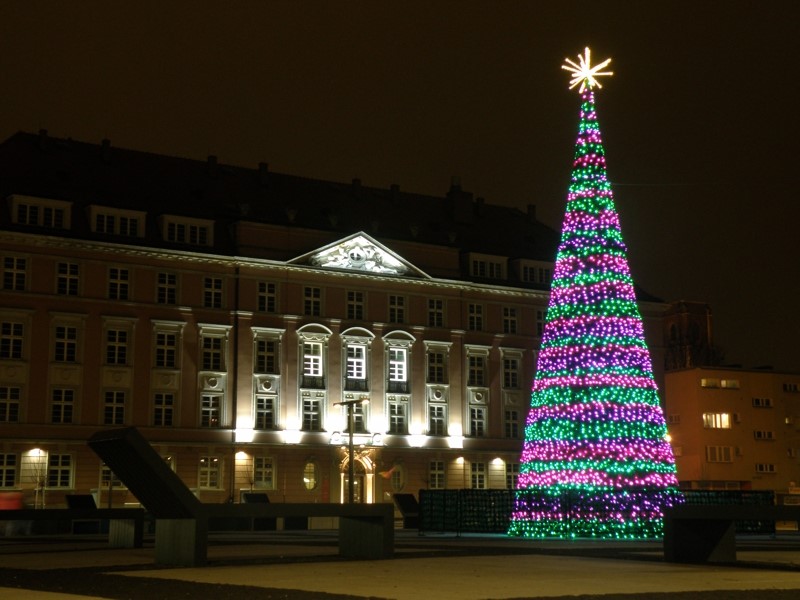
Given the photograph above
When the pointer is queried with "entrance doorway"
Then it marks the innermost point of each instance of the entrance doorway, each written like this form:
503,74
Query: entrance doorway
359,484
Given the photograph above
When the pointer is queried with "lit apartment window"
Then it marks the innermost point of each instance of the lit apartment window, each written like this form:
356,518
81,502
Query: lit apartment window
729,384
264,472
114,408
437,367
355,305
66,344
512,475
8,470
717,420
437,419
265,412
312,414
476,370
67,279
312,301
310,475
397,309
709,383
398,415
509,320
435,313
166,350
167,288
436,475
11,339
762,402
163,409
475,317
210,410
477,421
267,297
9,404
266,359
210,472
212,353
512,424
511,373
62,406
478,475
15,271
116,347
719,454
212,292
59,471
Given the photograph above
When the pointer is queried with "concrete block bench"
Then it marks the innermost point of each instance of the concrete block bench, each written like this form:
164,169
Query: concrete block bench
703,533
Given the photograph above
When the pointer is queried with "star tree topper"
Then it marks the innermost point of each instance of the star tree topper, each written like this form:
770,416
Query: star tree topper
584,74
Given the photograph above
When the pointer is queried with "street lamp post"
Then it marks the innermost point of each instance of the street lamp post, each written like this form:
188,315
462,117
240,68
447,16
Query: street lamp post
351,467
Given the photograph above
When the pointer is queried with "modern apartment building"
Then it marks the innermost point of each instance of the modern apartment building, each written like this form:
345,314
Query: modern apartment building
236,316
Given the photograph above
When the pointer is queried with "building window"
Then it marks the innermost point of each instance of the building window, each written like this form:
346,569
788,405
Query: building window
210,410
116,222
53,214
9,404
15,271
356,362
709,383
397,309
167,288
59,471
267,297
312,365
8,470
762,402
437,363
763,435
437,419
66,344
511,373
475,318
212,292
310,475
791,388
359,416
166,350
729,384
509,320
717,420
312,301
209,476
435,313
212,353
265,412
719,454
118,283
536,274
63,405
674,419
266,360
436,475
195,233
398,478
512,475
540,316
116,347
11,338
765,468
67,279
114,408
477,421
478,475
263,472
355,305
477,371
163,409
312,414
487,269
398,415
398,369
109,479
512,424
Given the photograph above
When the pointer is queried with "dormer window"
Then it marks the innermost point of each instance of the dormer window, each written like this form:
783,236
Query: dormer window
184,230
487,267
538,272
40,212
115,221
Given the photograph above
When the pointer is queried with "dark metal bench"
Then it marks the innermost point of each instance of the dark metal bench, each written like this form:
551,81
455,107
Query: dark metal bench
182,521
706,533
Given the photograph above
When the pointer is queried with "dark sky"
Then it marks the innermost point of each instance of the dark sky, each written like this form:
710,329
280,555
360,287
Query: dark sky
700,121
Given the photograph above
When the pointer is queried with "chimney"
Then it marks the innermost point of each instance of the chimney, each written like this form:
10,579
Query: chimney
263,173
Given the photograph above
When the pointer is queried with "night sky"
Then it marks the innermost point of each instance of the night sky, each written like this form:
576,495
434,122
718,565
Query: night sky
700,121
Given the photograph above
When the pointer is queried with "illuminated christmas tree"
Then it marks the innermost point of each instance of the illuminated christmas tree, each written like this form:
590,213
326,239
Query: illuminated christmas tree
596,461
